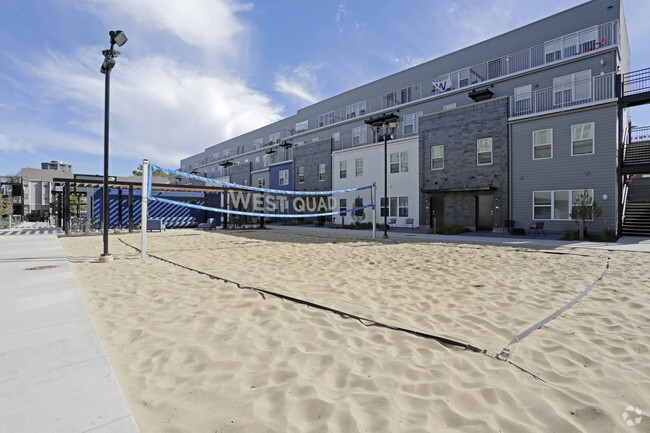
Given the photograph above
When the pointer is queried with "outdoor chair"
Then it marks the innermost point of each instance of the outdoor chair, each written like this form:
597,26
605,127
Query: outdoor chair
409,221
536,226
392,222
210,224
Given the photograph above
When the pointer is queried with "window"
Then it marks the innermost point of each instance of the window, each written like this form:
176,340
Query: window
576,197
582,139
403,206
556,205
358,167
463,79
326,119
273,139
411,123
389,99
336,139
343,169
553,50
543,144
437,157
449,106
359,135
343,204
355,110
398,206
404,162
484,151
394,162
542,205
321,172
261,182
283,177
522,99
399,162
301,175
393,207
568,89
406,95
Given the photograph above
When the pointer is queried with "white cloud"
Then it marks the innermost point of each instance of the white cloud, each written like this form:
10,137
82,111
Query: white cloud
159,109
210,24
300,82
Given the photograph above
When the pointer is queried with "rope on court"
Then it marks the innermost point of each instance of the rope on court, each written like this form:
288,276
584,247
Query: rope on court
504,355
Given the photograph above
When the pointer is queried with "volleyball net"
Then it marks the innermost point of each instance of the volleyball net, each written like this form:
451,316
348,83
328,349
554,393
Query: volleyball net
246,200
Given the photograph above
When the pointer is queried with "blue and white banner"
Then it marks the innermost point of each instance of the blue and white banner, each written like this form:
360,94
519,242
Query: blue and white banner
442,86
274,203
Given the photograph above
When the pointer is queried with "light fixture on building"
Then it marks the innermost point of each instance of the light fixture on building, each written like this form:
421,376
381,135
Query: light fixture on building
117,38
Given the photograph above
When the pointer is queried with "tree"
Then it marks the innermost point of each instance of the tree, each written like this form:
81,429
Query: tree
359,214
156,172
584,209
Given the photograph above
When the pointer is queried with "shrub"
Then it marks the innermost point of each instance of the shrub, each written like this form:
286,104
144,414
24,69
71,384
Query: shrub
450,230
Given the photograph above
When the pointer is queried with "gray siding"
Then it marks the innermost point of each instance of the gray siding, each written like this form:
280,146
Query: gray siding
241,173
563,171
310,156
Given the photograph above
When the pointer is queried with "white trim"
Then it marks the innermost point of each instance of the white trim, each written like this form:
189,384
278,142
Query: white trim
553,201
491,152
543,144
442,146
593,138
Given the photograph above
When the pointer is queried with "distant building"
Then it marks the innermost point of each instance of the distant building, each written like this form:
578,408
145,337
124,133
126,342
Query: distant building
56,165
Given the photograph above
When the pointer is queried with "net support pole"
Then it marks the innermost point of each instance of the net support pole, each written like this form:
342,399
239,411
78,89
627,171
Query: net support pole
374,211
145,199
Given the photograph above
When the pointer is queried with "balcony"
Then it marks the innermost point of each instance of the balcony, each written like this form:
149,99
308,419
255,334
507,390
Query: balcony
563,97
582,42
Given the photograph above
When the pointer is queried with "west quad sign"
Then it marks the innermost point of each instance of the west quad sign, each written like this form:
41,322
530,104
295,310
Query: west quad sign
269,203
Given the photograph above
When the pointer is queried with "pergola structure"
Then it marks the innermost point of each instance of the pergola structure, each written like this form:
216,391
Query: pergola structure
64,188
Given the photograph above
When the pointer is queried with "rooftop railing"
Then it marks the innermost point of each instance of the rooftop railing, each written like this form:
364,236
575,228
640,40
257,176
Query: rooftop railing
565,96
571,45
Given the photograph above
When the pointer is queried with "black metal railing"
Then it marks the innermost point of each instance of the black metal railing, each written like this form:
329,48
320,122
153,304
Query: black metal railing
639,194
635,82
639,134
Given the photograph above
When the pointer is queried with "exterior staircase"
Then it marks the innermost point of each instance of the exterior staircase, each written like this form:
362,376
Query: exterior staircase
637,219
637,152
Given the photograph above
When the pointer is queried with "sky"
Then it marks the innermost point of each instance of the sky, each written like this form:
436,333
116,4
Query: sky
197,72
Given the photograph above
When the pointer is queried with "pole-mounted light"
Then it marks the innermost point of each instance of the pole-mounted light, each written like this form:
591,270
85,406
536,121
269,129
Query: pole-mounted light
117,38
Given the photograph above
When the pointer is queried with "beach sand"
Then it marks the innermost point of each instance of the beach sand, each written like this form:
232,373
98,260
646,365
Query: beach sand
197,354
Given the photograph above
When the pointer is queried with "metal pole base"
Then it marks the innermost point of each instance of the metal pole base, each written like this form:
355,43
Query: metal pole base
104,258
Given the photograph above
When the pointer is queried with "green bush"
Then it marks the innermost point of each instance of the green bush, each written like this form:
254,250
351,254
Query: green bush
607,235
450,230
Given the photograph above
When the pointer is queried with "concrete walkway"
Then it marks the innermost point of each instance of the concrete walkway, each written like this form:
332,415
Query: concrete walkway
54,373
549,241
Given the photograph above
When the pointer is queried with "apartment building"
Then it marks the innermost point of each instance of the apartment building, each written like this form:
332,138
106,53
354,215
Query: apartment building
509,129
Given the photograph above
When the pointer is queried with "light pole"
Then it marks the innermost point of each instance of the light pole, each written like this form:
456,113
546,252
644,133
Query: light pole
385,124
117,37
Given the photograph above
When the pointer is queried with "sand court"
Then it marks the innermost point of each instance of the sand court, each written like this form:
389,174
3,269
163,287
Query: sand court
199,354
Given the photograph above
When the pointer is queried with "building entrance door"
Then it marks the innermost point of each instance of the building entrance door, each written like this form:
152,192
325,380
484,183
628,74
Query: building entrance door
437,211
484,212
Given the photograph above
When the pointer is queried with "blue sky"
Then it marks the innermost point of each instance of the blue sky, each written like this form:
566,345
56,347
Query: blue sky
197,72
